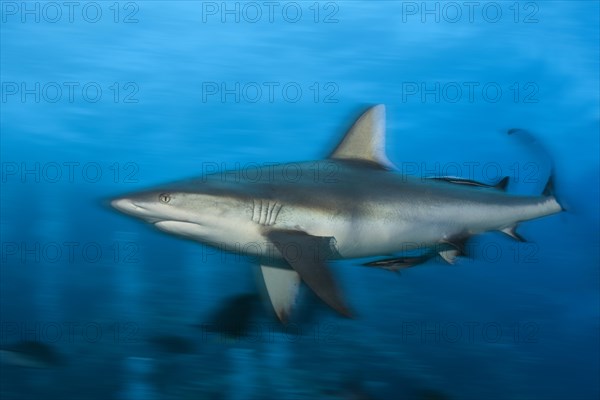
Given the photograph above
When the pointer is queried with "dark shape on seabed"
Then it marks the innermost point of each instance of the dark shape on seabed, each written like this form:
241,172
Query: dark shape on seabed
234,316
31,354
173,344
431,394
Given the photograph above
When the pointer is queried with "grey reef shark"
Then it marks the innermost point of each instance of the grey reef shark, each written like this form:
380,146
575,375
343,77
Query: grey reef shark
295,218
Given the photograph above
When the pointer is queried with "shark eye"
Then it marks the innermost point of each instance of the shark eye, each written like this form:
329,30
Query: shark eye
164,197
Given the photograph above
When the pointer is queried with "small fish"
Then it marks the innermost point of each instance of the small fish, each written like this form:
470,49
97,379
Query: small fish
501,185
395,264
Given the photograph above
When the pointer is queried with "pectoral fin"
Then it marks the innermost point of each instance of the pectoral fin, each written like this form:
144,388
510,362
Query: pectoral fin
307,255
282,286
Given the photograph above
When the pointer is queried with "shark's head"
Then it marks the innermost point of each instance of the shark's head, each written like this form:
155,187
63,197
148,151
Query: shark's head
190,213
156,205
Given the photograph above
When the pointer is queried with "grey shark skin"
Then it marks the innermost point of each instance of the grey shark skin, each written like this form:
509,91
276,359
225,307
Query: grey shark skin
294,217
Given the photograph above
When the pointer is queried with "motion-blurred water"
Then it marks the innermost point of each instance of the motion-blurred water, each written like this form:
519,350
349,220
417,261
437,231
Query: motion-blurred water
102,98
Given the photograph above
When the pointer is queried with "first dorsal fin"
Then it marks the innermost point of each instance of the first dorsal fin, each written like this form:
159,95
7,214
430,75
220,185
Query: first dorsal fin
365,141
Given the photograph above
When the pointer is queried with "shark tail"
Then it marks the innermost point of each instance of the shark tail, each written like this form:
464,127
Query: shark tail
545,160
547,205
549,194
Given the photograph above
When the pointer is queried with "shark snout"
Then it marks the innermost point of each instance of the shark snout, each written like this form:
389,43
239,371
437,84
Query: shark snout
124,205
139,207
130,207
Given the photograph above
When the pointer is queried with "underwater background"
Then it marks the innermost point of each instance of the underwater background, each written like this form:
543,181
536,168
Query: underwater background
103,98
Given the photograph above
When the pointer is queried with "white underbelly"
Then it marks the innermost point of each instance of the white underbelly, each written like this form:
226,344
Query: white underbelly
373,239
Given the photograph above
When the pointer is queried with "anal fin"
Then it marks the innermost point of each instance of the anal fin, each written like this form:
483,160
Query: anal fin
512,232
449,255
456,243
453,247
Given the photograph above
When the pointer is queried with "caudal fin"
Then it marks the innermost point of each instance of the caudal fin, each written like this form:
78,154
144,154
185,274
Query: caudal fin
549,192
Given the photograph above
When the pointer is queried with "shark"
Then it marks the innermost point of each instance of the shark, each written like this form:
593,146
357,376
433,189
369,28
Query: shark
296,218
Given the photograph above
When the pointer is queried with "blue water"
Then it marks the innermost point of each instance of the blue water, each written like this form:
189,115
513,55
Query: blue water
105,98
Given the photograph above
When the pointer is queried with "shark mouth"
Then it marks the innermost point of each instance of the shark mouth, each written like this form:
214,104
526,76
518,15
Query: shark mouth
188,229
129,207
